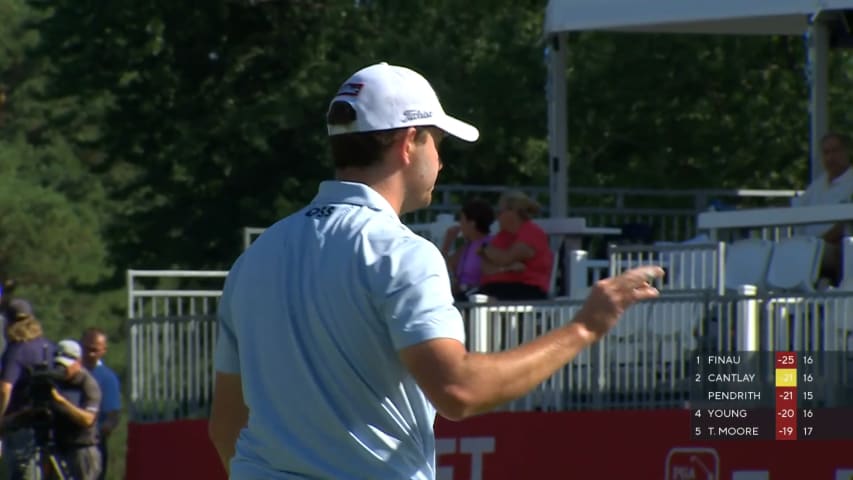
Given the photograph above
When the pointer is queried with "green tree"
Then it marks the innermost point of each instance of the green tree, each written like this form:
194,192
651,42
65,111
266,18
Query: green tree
49,198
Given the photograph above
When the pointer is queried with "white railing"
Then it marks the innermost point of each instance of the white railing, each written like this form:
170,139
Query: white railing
696,267
771,223
670,213
448,198
643,363
250,234
155,293
171,336
584,272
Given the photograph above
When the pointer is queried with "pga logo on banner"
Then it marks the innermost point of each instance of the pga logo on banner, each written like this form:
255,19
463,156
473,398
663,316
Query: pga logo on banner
692,464
704,464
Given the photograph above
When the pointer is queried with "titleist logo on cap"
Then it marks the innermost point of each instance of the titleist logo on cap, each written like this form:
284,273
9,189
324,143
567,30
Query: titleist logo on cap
410,115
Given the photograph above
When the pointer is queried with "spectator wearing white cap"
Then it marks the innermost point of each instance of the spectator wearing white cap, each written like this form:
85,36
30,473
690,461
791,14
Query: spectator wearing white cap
77,399
338,336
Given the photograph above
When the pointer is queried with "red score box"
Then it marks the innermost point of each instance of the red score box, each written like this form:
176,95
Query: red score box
786,397
786,413
786,427
786,359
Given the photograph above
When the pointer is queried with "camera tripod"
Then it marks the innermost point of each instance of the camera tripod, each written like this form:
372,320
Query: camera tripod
42,463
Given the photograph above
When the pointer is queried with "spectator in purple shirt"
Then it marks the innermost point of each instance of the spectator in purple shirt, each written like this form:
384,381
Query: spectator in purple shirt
26,349
475,221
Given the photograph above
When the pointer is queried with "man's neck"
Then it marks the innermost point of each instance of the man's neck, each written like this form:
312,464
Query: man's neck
838,175
381,182
90,366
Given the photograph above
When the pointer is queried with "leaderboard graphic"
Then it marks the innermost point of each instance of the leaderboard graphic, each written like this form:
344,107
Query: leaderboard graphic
784,396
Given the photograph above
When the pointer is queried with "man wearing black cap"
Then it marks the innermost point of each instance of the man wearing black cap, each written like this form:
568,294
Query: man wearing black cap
10,307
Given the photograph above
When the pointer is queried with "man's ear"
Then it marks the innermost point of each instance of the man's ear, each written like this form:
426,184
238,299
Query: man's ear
405,144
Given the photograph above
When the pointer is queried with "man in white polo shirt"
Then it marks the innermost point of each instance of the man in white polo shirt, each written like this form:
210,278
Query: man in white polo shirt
834,186
338,337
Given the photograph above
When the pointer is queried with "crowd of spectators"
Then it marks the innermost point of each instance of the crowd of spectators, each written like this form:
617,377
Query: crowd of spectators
57,400
513,264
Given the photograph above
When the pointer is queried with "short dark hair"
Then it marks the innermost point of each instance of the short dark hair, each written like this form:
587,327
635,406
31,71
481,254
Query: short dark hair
94,331
361,149
844,139
480,212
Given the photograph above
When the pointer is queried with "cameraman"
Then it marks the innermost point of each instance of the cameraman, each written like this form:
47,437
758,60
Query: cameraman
76,401
27,349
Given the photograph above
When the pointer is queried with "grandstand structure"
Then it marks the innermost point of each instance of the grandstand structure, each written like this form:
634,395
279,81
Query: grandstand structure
750,294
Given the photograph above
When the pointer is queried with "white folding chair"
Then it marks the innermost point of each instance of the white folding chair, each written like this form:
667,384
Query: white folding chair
794,267
747,262
795,264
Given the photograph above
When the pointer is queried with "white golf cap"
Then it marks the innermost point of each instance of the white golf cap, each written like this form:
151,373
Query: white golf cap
387,96
67,352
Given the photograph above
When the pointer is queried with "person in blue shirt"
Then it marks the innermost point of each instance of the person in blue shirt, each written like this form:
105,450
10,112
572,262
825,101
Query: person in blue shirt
94,342
338,337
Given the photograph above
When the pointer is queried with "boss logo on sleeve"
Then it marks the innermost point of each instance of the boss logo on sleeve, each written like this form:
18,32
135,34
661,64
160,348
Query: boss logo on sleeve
320,212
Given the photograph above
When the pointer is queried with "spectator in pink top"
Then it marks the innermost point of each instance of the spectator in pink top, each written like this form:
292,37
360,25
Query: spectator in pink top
517,262
475,220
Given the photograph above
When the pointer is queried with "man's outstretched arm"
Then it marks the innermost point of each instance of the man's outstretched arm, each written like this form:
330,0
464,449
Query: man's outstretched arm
461,384
228,415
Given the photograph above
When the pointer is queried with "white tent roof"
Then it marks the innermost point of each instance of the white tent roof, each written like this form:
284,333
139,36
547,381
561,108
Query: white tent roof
819,18
763,17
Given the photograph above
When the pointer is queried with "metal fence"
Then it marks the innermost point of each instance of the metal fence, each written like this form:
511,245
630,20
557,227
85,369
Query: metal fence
645,361
172,333
669,214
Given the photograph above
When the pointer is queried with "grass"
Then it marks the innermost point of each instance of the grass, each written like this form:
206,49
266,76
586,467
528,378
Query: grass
117,449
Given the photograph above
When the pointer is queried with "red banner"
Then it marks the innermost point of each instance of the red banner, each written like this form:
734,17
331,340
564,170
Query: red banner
613,445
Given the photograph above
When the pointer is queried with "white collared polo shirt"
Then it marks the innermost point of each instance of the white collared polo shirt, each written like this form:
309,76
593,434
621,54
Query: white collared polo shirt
312,317
824,192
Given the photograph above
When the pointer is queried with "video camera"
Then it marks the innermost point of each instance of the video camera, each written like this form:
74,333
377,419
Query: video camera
43,378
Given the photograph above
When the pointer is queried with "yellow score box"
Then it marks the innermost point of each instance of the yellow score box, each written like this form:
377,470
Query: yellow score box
786,377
